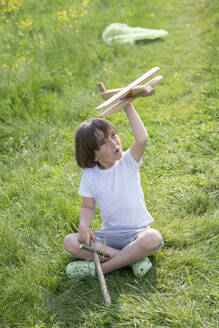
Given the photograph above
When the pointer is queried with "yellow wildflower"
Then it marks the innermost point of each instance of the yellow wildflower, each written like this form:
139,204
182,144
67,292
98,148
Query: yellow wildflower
152,15
62,16
27,22
176,75
85,3
76,30
10,6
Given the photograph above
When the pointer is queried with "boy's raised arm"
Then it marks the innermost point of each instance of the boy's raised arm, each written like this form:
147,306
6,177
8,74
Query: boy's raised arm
139,132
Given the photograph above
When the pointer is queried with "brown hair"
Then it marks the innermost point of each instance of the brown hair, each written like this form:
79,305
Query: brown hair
86,140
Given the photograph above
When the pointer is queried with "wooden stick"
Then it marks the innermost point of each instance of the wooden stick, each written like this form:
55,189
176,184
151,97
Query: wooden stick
100,276
115,108
101,87
147,91
94,250
155,80
138,90
133,92
124,102
109,93
126,90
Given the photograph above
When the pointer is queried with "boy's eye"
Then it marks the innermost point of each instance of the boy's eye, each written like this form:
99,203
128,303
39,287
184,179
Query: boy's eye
102,142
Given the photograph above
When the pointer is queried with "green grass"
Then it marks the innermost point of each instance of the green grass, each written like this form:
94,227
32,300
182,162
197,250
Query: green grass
51,57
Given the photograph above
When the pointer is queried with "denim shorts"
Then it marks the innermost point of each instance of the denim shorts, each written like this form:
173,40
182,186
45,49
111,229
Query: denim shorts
120,237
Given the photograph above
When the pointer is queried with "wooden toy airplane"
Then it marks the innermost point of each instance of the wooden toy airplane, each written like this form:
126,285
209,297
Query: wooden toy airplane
121,97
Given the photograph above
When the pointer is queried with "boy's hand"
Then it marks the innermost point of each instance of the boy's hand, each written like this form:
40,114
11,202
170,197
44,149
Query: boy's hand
85,234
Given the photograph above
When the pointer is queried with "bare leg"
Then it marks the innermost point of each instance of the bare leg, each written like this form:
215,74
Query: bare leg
72,245
146,242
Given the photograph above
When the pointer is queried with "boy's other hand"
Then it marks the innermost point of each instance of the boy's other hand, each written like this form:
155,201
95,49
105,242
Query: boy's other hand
85,234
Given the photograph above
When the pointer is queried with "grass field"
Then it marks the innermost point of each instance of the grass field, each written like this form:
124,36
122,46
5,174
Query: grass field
51,57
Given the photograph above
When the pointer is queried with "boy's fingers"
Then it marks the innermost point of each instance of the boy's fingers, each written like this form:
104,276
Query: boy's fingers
93,236
86,240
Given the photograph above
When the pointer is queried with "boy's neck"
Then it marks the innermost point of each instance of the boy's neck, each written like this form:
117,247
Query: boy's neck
105,165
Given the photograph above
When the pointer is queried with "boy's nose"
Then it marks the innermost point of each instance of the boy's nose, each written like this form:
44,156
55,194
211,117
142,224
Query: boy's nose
113,143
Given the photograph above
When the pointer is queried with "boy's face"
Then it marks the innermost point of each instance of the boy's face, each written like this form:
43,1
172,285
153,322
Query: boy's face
110,149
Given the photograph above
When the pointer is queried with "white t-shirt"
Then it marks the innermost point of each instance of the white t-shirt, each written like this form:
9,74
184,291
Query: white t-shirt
118,193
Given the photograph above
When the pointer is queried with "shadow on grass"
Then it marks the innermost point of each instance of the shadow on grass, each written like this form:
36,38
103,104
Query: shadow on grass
79,301
117,46
148,42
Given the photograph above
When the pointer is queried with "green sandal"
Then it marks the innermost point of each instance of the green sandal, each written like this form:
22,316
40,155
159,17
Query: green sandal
80,269
140,268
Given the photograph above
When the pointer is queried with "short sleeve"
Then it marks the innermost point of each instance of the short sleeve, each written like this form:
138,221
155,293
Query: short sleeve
130,161
85,185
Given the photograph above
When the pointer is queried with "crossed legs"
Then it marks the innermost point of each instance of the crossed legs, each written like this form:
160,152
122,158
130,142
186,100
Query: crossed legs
146,242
